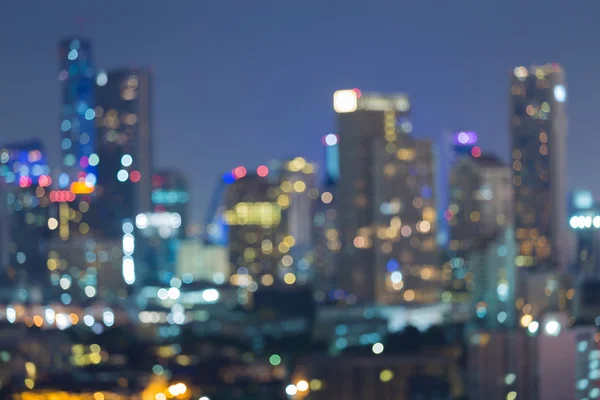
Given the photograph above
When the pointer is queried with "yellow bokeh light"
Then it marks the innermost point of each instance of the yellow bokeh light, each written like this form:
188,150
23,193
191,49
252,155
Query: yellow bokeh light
409,295
286,186
290,241
316,384
386,375
283,201
299,186
52,264
302,385
526,320
289,278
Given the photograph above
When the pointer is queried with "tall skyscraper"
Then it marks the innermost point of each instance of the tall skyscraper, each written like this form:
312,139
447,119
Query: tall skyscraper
77,112
124,148
538,125
480,209
451,148
327,244
385,200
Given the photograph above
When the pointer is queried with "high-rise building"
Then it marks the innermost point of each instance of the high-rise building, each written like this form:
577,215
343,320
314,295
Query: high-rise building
78,173
77,112
326,236
25,209
170,194
538,125
451,148
269,215
124,148
386,201
480,208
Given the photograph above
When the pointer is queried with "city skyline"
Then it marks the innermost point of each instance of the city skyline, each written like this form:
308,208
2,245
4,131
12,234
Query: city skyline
267,102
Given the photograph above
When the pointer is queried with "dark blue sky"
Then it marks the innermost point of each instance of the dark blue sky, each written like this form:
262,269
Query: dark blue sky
241,82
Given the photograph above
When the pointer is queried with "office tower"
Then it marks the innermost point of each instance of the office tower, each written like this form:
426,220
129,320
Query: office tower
538,125
386,201
25,212
480,209
269,214
77,112
170,194
216,230
451,148
326,236
78,172
124,148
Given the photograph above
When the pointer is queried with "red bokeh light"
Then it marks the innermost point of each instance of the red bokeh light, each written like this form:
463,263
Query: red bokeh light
239,172
135,176
157,181
476,151
60,196
358,92
45,181
24,181
262,171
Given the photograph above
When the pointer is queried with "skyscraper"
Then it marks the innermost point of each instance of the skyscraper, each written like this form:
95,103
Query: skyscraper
78,173
326,243
480,209
451,148
124,148
385,200
538,125
77,112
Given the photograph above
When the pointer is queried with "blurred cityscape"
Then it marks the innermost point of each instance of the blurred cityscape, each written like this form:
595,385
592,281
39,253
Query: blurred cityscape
400,268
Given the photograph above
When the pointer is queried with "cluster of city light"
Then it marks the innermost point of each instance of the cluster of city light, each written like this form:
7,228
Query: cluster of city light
261,213
128,247
50,318
177,389
585,222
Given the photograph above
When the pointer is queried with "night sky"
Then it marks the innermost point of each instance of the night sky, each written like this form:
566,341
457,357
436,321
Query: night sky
242,82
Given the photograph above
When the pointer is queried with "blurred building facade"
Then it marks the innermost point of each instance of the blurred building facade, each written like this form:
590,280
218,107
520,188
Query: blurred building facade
123,119
269,215
538,126
480,209
25,212
386,198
